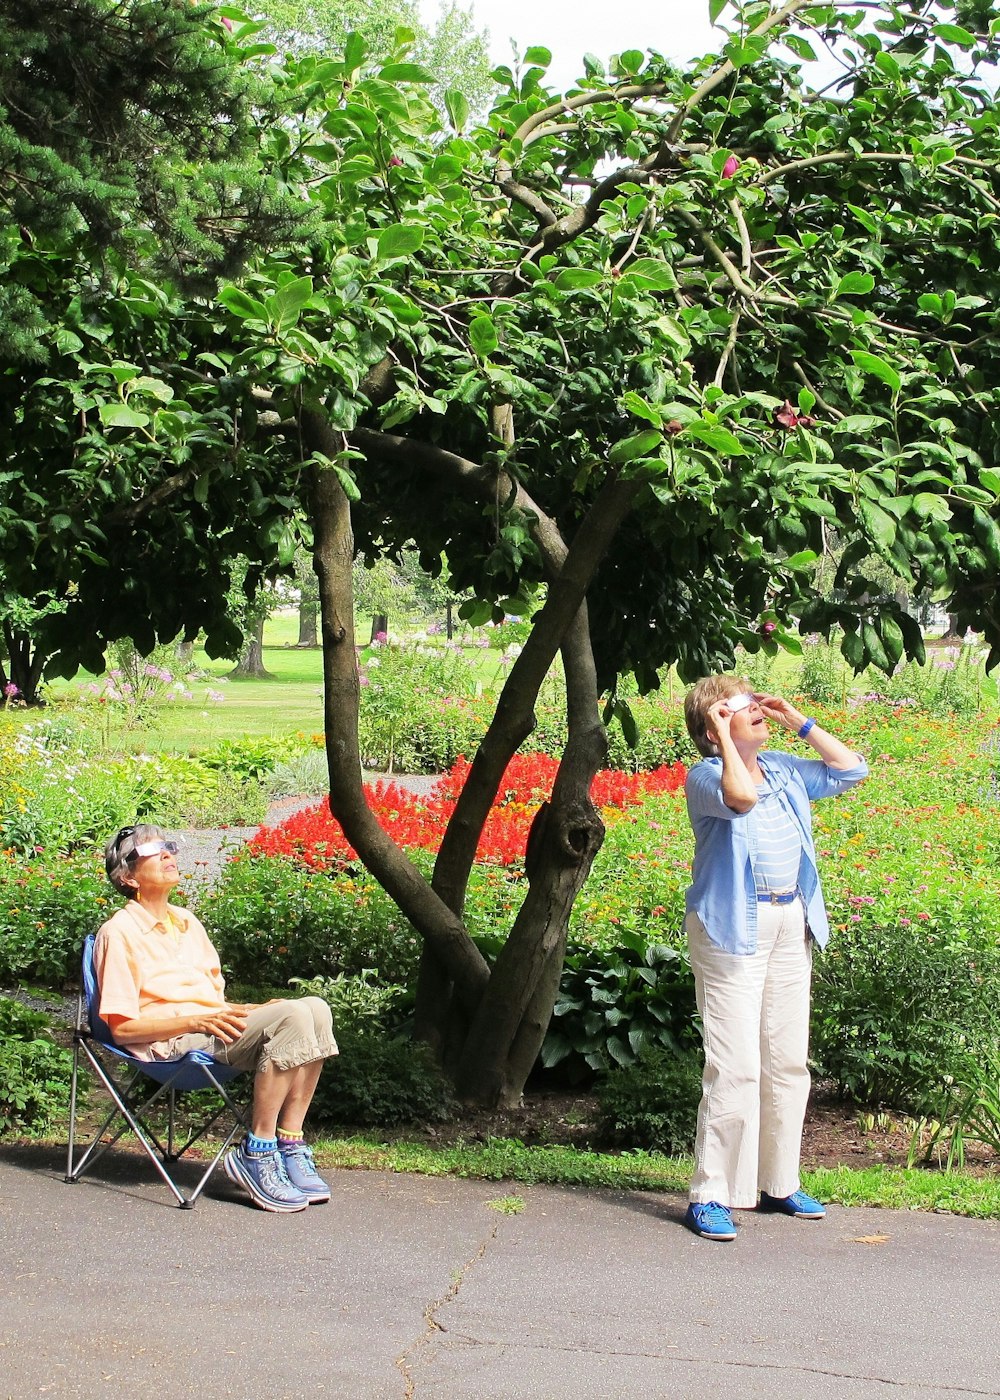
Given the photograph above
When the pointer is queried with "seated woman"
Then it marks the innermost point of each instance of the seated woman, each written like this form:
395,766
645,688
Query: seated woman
162,994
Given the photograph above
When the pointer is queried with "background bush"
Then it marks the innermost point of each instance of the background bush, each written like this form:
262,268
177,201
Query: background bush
268,916
47,908
34,1072
652,1103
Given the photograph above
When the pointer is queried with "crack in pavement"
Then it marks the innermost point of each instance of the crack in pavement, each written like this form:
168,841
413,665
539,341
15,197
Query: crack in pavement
406,1359
910,1383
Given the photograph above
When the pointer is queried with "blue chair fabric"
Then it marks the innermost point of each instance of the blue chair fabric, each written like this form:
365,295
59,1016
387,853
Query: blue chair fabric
127,1081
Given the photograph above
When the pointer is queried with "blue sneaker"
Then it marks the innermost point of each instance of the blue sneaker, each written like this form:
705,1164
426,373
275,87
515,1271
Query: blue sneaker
301,1172
264,1179
799,1204
710,1220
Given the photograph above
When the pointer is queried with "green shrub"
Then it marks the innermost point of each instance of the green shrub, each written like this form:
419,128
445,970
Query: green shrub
270,918
899,1010
652,1103
615,1002
359,1002
249,759
34,1072
380,1082
47,908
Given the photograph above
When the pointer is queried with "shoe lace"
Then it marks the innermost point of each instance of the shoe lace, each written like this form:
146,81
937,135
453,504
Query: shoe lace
715,1214
278,1166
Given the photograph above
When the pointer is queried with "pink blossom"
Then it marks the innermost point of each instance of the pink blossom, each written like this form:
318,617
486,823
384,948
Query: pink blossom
730,168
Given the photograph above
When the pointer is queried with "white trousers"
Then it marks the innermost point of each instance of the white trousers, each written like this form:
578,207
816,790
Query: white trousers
755,1027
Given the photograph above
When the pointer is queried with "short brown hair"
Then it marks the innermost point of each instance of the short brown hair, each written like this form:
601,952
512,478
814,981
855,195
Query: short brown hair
700,699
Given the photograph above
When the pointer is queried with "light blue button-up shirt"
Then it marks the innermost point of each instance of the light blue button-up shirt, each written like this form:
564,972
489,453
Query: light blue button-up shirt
722,891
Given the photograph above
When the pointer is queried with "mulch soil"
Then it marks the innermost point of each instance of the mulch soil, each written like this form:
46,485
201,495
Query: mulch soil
836,1133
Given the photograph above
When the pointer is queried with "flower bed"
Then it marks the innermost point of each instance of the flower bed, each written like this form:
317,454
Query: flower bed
314,837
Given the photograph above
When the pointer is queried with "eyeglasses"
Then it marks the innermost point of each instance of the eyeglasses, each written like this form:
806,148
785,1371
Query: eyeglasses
735,703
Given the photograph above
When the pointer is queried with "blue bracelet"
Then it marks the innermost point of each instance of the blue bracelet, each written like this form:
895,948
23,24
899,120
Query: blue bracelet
806,728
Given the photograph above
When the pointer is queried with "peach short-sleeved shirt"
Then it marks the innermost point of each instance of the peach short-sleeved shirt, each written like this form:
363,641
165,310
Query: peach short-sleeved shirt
146,967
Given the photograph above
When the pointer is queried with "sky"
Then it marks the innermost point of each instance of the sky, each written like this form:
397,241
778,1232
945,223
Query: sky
570,28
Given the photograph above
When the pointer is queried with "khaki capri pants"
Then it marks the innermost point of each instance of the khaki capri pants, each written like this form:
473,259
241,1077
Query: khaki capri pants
285,1034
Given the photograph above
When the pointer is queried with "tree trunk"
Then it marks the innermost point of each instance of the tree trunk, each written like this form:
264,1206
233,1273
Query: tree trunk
951,633
380,627
185,653
449,621
251,664
24,666
308,618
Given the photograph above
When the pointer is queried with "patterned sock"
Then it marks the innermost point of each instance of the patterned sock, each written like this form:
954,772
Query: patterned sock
287,1140
259,1147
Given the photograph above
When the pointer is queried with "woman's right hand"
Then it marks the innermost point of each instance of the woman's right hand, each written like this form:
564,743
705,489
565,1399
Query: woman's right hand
226,1024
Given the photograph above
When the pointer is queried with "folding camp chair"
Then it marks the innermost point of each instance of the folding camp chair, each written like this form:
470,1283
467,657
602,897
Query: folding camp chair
121,1075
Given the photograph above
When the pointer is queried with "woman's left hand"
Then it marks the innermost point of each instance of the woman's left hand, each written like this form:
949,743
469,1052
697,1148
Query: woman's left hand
780,711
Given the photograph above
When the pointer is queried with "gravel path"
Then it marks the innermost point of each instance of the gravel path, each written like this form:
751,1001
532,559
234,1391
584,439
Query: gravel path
203,852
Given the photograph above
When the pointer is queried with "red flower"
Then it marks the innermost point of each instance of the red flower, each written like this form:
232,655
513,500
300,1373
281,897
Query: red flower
315,839
730,168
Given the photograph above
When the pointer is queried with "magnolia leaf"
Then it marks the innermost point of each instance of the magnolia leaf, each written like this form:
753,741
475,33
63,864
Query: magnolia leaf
241,305
355,51
878,523
539,55
872,364
715,8
715,436
399,241
406,73
855,284
860,424
954,34
120,415
483,335
637,405
658,276
456,104
638,445
928,506
573,279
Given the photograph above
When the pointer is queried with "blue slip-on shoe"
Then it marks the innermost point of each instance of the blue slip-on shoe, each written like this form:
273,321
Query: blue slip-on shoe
264,1179
710,1220
301,1172
799,1204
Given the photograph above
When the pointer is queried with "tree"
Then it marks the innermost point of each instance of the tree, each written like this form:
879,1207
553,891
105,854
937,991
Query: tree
128,146
608,351
454,51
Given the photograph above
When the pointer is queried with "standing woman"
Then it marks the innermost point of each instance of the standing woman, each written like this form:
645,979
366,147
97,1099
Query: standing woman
754,909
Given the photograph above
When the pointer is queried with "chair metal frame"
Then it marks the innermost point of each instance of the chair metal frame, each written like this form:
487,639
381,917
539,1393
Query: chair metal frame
120,1073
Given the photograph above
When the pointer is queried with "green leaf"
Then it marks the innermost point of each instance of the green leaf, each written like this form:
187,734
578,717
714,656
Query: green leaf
241,305
638,445
399,241
631,60
855,284
119,415
539,55
637,405
873,646
574,279
954,34
285,305
656,275
355,52
483,335
872,364
715,436
927,506
406,73
456,104
878,523
892,639
715,8
859,424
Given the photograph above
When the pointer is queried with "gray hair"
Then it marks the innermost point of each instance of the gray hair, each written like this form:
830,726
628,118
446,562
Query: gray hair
119,854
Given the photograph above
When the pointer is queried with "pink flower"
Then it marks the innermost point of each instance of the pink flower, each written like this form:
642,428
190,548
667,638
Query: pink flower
923,916
10,690
730,168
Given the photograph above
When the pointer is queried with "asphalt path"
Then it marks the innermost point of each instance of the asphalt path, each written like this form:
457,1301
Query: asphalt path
407,1286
